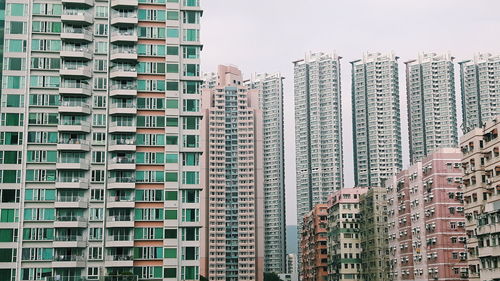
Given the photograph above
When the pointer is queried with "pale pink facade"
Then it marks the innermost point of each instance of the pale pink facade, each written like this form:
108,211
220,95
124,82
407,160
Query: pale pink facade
232,167
426,220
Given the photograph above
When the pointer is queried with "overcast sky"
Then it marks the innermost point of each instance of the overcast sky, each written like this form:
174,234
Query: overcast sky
267,35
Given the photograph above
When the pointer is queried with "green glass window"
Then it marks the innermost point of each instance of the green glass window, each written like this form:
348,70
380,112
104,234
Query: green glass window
171,140
170,233
17,10
16,46
172,15
7,235
171,195
171,177
191,105
191,52
170,272
191,35
190,178
172,122
9,176
172,158
191,123
191,87
14,100
172,86
14,82
172,50
17,27
170,214
190,159
170,253
191,17
172,103
7,215
172,32
172,68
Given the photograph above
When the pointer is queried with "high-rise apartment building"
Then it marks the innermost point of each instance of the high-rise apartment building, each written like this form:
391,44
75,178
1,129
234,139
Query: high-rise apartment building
318,130
344,240
426,219
481,165
373,235
270,88
233,175
313,244
480,79
376,119
99,143
432,117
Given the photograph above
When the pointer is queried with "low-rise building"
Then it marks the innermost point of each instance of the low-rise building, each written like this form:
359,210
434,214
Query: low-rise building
481,164
344,245
373,235
313,244
426,220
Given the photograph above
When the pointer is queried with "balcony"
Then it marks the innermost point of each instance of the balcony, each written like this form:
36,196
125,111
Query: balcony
120,221
73,164
70,201
76,52
74,107
120,241
73,183
73,144
89,3
76,34
69,241
124,18
126,90
81,89
74,16
121,202
123,108
123,72
68,261
122,163
124,36
75,71
119,261
122,145
121,183
122,127
123,53
124,3
70,221
73,126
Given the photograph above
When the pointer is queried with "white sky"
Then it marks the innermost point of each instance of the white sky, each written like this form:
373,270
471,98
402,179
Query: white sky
267,35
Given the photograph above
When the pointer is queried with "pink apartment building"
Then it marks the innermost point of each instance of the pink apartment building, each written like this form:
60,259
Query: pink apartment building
426,219
313,244
232,164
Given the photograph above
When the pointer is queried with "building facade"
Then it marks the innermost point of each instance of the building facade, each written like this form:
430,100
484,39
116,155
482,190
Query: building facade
376,119
432,116
373,235
344,240
313,245
233,171
481,165
426,220
270,88
100,128
318,130
480,78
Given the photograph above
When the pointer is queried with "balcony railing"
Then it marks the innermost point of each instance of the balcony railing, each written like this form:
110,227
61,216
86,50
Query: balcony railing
74,12
75,85
74,103
74,48
120,218
69,238
72,179
77,30
68,258
123,160
119,258
123,105
122,50
128,198
69,198
73,141
70,218
120,237
129,86
122,180
122,142
75,122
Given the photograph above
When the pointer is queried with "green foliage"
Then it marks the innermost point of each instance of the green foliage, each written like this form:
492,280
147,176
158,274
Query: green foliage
271,276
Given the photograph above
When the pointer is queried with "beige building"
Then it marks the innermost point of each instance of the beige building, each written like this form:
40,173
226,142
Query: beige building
481,164
233,172
373,235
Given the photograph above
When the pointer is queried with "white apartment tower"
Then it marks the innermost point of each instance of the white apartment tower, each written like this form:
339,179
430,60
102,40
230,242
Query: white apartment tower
270,88
99,140
318,130
432,116
233,174
376,119
480,81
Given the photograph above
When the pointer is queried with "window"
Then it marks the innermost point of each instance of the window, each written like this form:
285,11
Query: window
191,70
16,10
170,214
172,32
99,120
13,82
190,253
190,52
151,85
172,122
170,233
10,176
170,253
189,273
12,100
172,15
45,63
45,81
191,87
191,35
151,32
46,27
47,9
151,50
151,15
171,195
171,140
99,101
191,141
170,272
9,215
101,11
97,176
95,253
190,215
15,45
172,68
100,65
151,67
40,175
172,103
11,138
190,196
191,17
191,123
190,159
172,50
16,27
42,137
45,45
190,178
44,100
171,158
101,47
171,177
